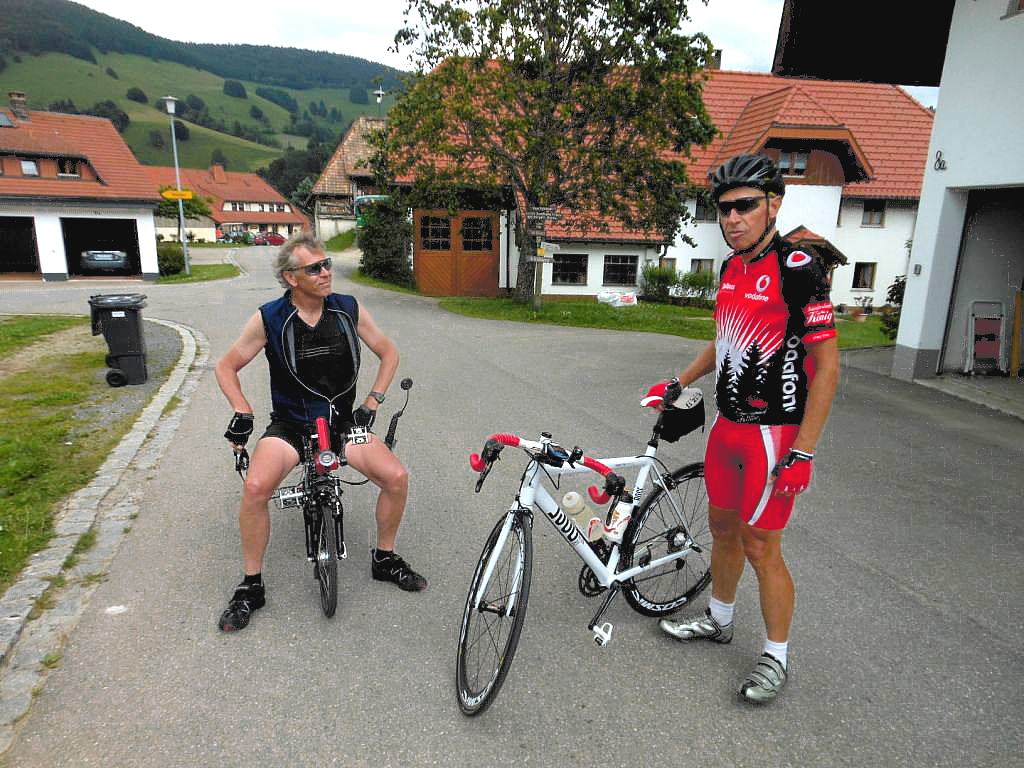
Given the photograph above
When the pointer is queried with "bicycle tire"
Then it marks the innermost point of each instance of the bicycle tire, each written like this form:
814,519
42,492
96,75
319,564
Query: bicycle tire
656,528
326,565
485,653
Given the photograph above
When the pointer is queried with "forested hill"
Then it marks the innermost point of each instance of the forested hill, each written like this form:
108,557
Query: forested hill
59,26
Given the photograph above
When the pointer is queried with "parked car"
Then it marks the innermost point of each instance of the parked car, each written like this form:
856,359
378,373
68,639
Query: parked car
260,238
273,238
104,260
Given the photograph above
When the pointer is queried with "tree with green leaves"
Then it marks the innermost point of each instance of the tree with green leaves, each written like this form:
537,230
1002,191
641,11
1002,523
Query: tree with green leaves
589,107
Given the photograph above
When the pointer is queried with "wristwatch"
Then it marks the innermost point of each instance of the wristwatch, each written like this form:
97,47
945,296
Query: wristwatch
378,396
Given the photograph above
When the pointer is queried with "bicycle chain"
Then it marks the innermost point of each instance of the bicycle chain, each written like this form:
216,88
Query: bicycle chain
588,584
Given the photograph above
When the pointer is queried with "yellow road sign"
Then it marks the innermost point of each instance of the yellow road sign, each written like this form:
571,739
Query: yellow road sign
173,194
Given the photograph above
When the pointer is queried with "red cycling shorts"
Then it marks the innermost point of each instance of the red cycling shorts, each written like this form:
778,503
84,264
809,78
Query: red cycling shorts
737,465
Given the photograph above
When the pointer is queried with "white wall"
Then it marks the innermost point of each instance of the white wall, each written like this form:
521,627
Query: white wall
50,235
332,226
884,246
976,130
508,260
595,253
204,229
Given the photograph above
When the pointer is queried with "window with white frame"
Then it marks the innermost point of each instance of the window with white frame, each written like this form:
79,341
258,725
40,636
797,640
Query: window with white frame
668,263
874,213
67,166
702,265
793,163
620,269
705,210
569,269
864,275
29,168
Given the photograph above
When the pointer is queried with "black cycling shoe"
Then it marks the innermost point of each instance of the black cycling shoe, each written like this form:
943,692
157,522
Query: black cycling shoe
394,569
247,598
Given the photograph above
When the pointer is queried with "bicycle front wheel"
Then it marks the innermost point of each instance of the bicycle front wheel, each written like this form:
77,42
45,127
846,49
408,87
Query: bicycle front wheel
326,565
660,526
494,614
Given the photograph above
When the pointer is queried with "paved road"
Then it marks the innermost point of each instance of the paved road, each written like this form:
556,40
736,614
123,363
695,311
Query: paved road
906,648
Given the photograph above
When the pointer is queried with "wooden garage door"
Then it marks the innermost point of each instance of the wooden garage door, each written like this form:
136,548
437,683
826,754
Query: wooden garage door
456,255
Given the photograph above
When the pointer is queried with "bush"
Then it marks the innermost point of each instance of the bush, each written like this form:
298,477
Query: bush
894,306
137,94
170,258
234,88
156,139
385,243
255,112
112,73
180,131
655,282
699,287
195,103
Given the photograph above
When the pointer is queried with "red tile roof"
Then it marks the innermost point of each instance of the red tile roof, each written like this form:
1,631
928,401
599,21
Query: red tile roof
349,158
228,187
52,134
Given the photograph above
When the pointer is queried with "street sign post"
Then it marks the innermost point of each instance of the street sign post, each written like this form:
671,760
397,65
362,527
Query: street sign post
176,194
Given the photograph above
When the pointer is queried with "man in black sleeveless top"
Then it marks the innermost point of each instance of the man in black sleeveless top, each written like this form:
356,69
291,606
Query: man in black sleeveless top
311,340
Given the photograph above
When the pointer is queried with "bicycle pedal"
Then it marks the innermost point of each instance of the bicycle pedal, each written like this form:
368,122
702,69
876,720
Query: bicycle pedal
603,634
343,552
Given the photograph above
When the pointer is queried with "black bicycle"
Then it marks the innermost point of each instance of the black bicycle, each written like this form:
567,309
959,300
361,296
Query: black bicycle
318,494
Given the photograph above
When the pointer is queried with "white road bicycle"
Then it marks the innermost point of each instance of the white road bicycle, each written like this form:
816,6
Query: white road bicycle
662,563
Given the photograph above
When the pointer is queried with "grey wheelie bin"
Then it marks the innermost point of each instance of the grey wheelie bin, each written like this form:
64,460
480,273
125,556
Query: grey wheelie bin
119,318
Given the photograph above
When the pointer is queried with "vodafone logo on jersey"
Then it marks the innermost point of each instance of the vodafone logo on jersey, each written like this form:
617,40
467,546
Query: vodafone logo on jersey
797,259
763,282
819,314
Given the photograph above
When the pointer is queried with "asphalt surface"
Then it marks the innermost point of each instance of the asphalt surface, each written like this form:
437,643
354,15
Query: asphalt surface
906,552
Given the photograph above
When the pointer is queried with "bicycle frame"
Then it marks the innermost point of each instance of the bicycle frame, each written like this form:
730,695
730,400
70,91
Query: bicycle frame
533,494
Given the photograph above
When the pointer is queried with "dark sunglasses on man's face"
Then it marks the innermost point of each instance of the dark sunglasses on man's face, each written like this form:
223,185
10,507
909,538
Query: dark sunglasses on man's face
314,269
743,205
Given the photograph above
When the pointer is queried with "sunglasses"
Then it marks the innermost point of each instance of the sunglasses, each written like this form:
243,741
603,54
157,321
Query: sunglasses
743,205
313,269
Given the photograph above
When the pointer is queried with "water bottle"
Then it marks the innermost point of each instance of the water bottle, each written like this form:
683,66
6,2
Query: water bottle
621,515
574,505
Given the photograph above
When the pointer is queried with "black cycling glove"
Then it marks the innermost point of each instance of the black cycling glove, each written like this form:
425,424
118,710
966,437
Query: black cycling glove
240,428
363,416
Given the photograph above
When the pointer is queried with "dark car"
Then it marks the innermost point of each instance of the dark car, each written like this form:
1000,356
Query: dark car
104,260
273,238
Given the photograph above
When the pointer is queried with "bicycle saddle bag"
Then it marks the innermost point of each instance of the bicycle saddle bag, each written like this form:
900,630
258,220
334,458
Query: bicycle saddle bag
676,422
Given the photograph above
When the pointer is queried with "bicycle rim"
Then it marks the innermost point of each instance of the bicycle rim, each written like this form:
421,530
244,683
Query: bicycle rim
493,617
659,527
327,564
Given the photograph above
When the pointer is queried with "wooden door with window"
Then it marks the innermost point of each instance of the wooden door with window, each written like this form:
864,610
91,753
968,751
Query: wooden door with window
456,255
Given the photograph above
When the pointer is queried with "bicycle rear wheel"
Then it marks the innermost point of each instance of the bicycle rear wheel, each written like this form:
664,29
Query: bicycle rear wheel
326,565
494,615
659,527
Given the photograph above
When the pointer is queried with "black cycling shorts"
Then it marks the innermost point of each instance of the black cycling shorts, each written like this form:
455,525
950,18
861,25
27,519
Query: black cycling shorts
295,433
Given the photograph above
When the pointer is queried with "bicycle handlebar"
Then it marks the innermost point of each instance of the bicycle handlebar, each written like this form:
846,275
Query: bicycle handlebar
481,462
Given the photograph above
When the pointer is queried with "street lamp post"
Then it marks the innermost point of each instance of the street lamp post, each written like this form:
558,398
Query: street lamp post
170,102
379,93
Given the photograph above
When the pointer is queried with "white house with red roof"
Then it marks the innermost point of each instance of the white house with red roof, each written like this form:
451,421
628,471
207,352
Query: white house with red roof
963,309
852,154
69,183
239,202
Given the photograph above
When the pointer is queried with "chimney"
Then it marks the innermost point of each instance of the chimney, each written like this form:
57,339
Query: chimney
217,172
716,59
19,104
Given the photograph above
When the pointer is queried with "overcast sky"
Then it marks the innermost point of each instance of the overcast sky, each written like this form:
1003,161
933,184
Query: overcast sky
745,30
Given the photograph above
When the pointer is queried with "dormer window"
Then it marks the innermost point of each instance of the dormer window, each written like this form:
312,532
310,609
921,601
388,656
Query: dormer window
67,166
793,163
29,168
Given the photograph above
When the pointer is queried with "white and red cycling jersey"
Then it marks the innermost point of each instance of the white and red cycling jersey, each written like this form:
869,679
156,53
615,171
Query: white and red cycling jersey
766,314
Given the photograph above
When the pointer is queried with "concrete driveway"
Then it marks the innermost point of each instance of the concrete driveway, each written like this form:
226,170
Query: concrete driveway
906,551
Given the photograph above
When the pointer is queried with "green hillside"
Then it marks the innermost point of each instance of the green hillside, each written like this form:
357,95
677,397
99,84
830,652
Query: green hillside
52,77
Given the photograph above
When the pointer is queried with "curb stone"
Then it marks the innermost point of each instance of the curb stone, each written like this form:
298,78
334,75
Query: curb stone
107,505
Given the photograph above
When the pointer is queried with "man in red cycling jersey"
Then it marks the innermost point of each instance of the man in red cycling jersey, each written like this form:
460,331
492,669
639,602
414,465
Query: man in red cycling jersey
777,361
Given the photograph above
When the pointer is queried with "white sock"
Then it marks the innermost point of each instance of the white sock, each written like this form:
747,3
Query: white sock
778,650
721,612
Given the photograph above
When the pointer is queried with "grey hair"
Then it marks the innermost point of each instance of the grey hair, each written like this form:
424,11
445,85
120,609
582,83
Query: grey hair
283,261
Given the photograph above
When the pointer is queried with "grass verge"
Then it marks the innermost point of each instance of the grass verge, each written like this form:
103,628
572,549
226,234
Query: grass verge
341,242
688,322
201,273
17,332
48,444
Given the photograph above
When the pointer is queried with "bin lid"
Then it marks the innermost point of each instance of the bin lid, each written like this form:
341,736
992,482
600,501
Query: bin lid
118,300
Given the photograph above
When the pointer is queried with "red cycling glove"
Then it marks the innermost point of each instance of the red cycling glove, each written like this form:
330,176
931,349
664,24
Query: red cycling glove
793,473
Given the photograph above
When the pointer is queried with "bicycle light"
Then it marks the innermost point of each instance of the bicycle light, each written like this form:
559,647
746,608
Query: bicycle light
327,459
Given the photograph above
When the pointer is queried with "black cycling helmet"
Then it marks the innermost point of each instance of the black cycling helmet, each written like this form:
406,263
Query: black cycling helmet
758,171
